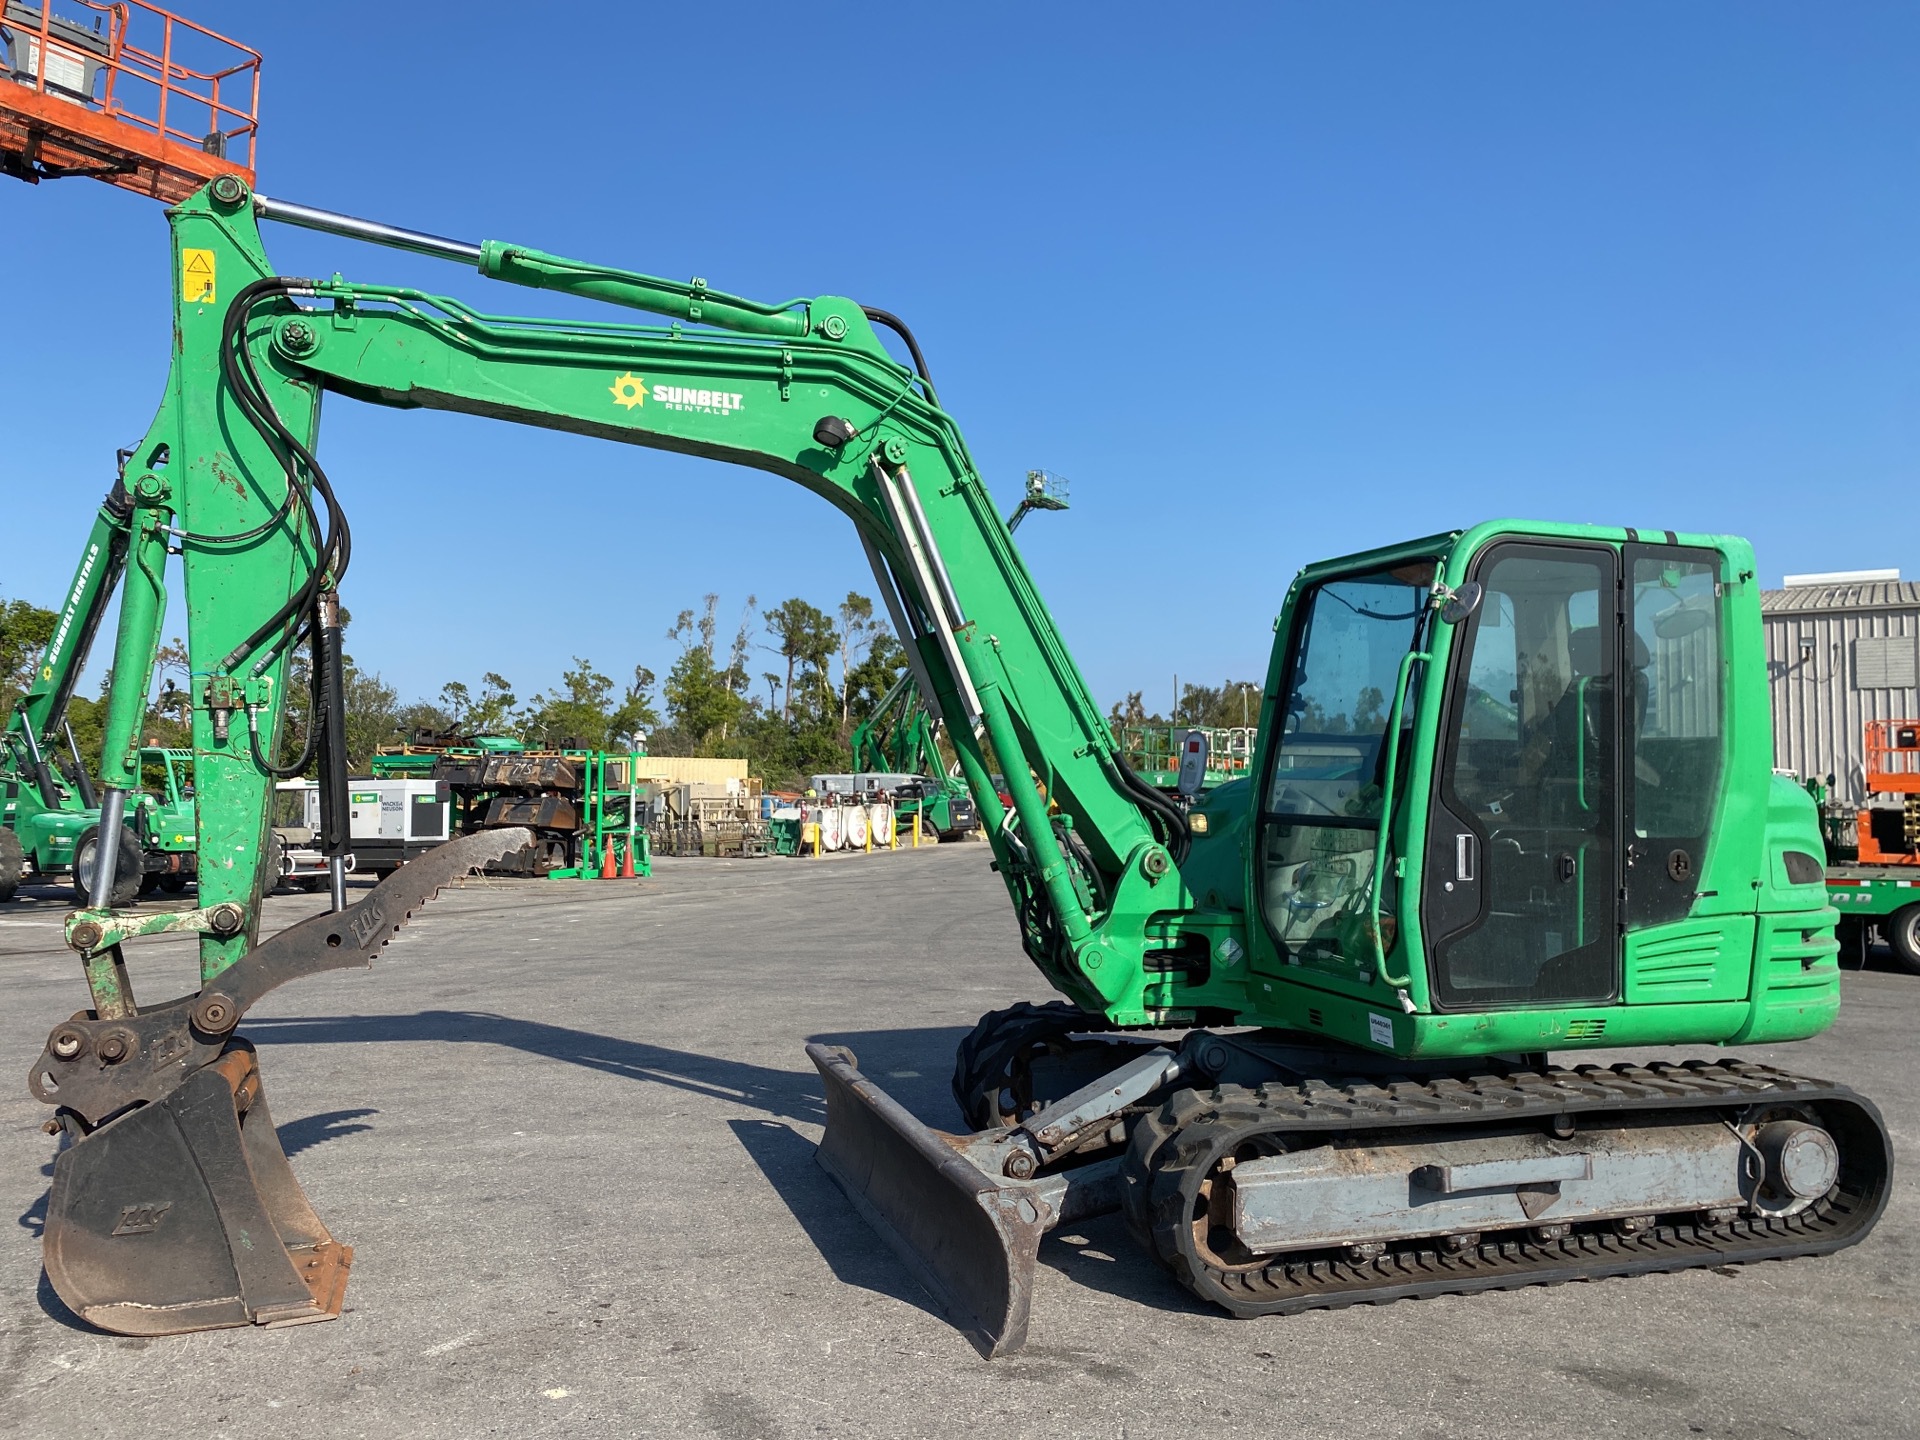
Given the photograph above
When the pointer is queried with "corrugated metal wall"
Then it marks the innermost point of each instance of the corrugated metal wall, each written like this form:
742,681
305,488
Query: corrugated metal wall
1818,710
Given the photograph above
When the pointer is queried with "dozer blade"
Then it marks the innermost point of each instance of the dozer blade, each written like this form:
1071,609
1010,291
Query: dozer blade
176,1209
971,1242
184,1215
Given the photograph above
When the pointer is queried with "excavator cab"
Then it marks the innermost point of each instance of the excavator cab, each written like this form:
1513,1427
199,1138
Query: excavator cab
1512,794
1494,776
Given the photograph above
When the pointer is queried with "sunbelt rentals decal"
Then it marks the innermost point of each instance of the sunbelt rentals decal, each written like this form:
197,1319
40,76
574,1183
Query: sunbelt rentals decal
631,391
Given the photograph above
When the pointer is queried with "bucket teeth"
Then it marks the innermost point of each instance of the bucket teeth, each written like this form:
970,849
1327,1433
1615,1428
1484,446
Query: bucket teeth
972,1243
184,1215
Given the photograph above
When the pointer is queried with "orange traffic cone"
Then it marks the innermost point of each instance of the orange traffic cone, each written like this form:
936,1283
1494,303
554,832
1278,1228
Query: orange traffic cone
607,870
626,865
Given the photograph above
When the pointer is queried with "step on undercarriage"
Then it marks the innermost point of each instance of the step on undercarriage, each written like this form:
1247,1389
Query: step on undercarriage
1273,1174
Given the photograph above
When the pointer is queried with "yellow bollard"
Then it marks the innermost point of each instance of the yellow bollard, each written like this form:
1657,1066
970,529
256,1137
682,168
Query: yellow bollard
814,829
893,829
916,827
868,847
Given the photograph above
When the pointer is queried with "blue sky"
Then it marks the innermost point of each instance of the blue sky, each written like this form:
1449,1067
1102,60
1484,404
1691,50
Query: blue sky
1268,283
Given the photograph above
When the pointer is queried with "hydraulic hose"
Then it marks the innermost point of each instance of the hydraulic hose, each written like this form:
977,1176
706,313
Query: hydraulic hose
243,379
899,327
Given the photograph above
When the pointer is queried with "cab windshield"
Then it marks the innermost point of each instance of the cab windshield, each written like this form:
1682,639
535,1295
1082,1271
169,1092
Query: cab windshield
1324,797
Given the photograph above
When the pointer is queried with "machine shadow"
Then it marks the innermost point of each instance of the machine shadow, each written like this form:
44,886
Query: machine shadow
311,1130
913,1063
914,1066
34,1221
910,1058
785,1157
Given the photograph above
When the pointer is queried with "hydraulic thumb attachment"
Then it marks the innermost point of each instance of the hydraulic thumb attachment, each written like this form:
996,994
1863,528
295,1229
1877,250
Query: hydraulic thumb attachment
174,1207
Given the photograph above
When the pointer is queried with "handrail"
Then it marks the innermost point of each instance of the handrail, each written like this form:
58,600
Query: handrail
1387,786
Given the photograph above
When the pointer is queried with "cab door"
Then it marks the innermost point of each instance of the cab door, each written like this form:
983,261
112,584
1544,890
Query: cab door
1522,868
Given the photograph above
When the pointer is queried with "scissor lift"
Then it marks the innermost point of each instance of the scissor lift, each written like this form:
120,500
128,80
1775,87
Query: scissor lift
124,92
1889,836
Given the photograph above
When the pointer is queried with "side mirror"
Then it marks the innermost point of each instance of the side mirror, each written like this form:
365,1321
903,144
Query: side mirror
1462,602
1193,762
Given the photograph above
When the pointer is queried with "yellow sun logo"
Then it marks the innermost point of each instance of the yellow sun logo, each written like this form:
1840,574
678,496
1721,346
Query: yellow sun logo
629,390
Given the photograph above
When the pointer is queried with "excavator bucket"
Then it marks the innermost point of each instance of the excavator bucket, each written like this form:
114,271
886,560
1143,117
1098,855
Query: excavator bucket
184,1215
176,1209
970,1241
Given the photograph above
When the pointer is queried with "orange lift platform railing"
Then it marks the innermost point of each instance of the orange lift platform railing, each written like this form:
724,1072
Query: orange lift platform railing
1889,836
129,94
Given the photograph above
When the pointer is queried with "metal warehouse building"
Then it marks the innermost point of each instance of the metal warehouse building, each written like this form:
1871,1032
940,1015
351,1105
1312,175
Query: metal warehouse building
1841,650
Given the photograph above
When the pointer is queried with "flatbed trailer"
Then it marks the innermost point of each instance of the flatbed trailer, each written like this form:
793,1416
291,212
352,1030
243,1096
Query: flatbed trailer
1885,898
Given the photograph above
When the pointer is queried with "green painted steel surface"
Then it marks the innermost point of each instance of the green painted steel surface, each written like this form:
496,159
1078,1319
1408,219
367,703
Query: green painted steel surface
1872,890
806,390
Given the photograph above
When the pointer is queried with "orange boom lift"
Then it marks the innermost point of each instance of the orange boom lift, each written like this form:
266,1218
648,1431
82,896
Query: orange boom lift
124,92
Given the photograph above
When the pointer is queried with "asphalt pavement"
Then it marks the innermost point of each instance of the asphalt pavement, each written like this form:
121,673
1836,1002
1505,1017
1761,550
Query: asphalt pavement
569,1128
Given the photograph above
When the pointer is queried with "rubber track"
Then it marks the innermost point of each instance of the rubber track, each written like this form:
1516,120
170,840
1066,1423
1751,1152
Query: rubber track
989,1048
1174,1150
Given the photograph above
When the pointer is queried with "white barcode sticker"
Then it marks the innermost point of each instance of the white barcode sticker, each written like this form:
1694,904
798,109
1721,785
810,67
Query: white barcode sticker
1380,1030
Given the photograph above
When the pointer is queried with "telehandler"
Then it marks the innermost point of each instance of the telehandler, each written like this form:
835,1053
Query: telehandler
49,813
1513,795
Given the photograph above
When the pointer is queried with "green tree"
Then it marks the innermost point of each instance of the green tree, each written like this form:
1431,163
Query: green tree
699,702
487,713
636,713
737,677
373,715
1233,702
873,676
25,630
806,639
578,714
420,718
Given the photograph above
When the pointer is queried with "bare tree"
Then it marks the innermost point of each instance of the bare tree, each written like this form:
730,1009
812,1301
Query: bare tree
858,630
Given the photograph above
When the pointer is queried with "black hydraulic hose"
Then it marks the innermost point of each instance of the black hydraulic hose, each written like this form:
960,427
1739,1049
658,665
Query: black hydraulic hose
1178,835
286,508
899,327
334,550
237,369
1175,832
316,705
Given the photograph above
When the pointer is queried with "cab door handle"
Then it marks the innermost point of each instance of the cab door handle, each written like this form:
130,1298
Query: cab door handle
1465,853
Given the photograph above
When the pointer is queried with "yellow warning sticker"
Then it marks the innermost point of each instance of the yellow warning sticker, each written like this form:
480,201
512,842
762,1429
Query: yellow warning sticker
196,277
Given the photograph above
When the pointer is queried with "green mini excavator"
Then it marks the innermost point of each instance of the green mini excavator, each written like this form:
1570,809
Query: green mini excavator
1513,795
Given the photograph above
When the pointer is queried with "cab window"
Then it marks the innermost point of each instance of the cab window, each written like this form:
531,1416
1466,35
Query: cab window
1323,801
